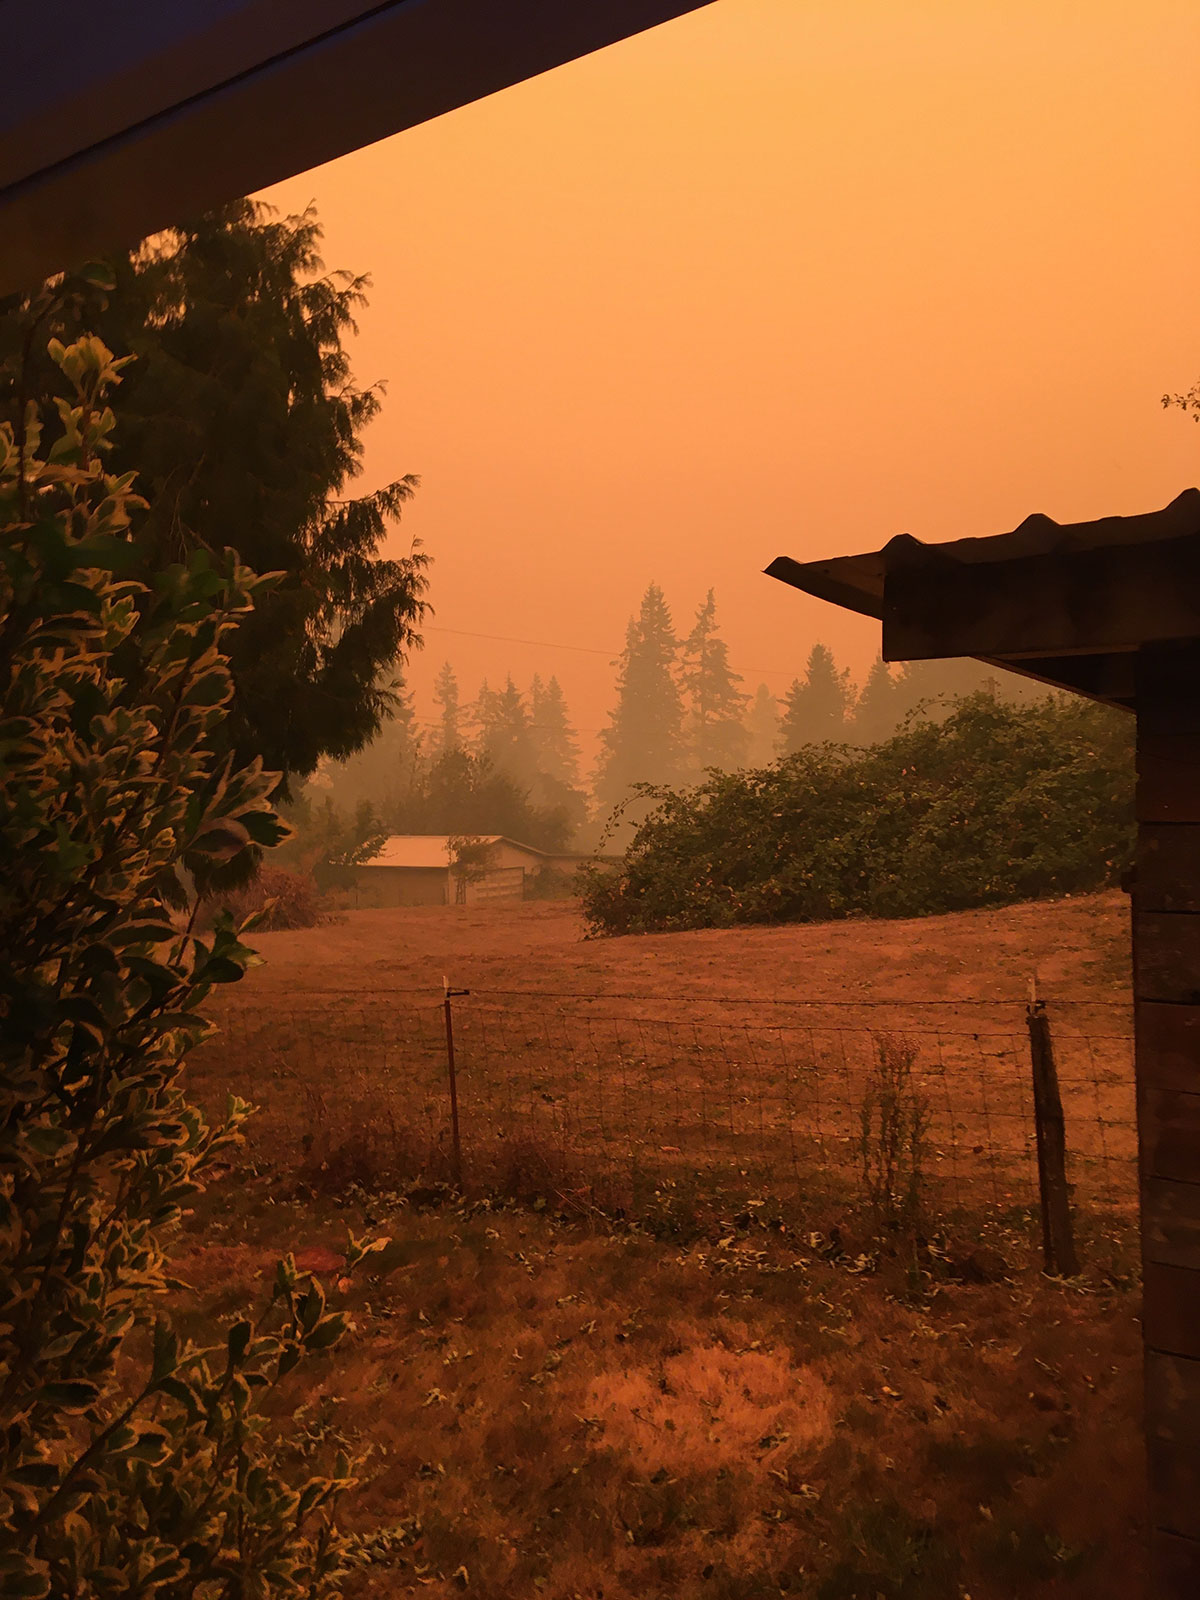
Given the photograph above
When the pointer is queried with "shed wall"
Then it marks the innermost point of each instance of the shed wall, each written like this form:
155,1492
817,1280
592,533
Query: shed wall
402,886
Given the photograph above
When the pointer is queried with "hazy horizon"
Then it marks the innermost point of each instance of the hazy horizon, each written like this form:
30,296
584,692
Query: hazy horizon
772,279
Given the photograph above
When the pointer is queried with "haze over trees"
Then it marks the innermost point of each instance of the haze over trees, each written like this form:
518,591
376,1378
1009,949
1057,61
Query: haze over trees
243,421
447,734
680,712
505,763
762,728
715,734
816,707
644,739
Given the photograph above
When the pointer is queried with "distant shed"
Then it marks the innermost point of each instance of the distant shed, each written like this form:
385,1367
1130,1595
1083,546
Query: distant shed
418,869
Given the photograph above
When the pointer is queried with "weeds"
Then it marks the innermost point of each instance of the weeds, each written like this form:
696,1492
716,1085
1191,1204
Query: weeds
358,1145
894,1121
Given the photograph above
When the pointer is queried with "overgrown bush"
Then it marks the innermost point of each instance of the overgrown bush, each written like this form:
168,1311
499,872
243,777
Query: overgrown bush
131,1462
998,803
277,900
552,883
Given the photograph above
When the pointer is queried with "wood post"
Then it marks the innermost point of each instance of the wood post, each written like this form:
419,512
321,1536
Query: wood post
1166,962
1058,1235
452,1073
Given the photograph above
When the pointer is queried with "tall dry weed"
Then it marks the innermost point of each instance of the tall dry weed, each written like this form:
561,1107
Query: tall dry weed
894,1120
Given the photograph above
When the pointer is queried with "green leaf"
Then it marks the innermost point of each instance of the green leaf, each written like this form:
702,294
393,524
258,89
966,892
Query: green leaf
326,1333
71,1396
237,1343
166,1351
222,840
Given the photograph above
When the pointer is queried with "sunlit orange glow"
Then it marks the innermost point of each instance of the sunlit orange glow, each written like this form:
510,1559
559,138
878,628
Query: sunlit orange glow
783,276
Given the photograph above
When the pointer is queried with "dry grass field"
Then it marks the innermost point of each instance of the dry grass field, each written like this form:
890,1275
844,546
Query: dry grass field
723,1405
723,1060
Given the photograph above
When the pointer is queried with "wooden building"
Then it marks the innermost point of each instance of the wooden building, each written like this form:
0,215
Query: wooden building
1111,609
418,869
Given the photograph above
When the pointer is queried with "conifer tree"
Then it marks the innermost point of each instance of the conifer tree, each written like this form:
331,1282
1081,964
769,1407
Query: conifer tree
714,731
762,728
643,742
448,733
875,714
504,739
816,705
480,715
242,418
555,749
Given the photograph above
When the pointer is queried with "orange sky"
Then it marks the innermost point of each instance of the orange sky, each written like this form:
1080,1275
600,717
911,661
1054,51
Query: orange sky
783,276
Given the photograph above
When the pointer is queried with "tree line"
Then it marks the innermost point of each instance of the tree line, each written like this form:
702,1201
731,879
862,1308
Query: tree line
505,762
508,761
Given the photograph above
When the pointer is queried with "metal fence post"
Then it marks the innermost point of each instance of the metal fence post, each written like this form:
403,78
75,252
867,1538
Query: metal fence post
1058,1237
455,1141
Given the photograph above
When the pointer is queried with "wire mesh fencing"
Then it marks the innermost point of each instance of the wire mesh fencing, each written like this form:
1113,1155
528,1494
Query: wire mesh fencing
603,1100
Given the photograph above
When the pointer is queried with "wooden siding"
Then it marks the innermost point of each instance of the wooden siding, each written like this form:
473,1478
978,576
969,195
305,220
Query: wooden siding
1166,949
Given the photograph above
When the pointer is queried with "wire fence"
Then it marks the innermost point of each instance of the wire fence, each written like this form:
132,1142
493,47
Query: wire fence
612,1100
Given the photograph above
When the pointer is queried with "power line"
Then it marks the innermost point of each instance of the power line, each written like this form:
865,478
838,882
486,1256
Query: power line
582,649
542,644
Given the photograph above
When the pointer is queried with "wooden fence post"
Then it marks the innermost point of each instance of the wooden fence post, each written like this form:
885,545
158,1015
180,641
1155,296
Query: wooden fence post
455,1141
1058,1235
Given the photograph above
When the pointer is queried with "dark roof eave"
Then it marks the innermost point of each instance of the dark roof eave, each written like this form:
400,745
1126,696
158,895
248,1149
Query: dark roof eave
853,582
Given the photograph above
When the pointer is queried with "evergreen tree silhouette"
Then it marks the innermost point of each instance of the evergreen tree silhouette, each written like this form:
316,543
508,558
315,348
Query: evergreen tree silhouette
816,705
714,731
643,742
762,728
244,423
503,734
554,745
875,715
448,735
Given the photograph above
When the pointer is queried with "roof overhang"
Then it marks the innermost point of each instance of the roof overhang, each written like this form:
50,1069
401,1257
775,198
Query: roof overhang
1066,603
120,120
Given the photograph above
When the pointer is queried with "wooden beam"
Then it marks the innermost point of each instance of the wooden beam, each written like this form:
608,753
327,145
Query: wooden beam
1166,950
124,119
1112,598
1171,1221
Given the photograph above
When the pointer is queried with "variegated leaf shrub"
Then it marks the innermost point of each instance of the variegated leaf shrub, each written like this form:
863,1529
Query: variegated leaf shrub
131,1462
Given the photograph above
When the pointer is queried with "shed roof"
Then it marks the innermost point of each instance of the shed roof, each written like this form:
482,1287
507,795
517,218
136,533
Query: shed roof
433,849
857,582
1066,603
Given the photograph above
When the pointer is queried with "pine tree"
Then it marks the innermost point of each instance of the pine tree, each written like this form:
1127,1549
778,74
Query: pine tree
643,742
448,734
504,739
762,728
875,714
554,745
480,715
714,731
816,705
